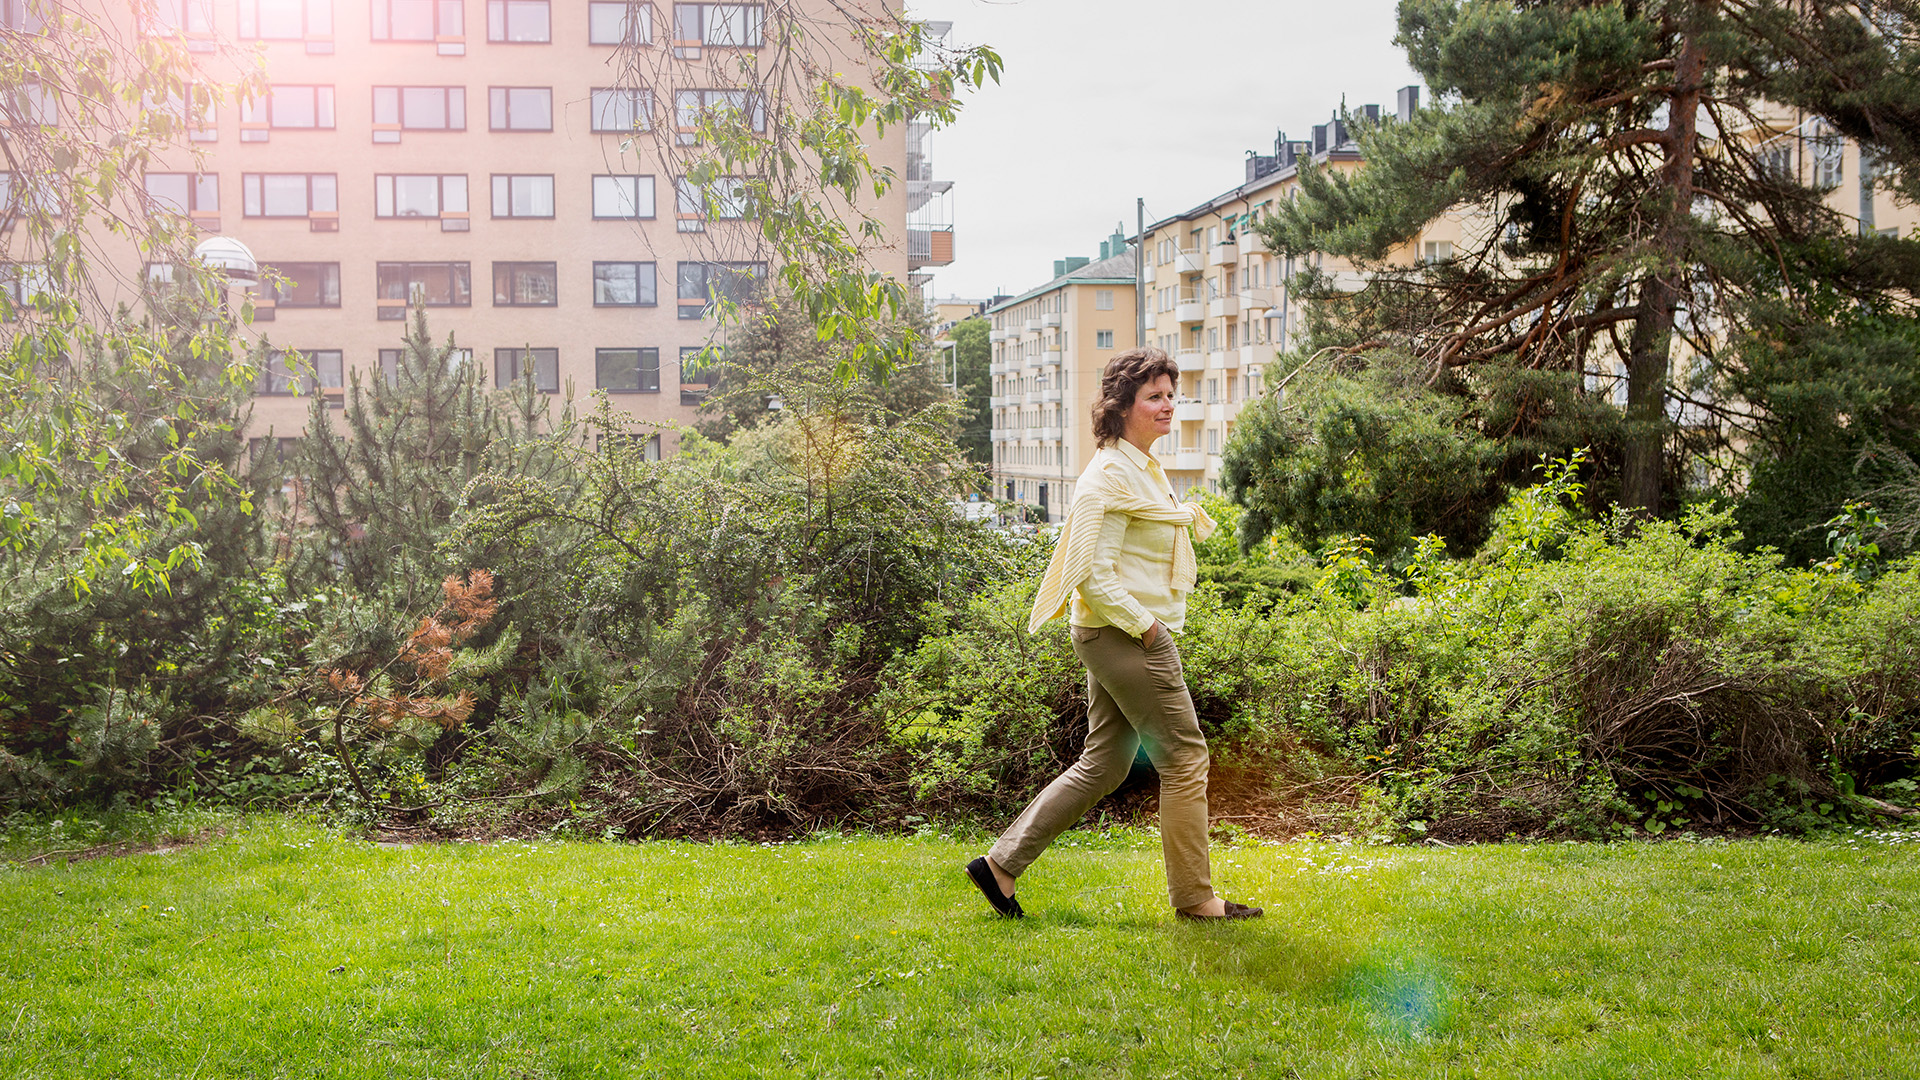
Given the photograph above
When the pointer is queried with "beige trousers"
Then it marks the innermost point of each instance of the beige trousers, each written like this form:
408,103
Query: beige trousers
1136,694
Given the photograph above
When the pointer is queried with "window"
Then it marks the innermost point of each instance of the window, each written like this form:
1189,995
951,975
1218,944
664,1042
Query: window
518,21
542,365
624,284
31,103
1103,339
618,22
1103,299
404,195
520,108
618,109
193,105
307,284
525,284
24,196
191,17
725,25
419,20
295,107
697,364
1436,251
523,196
21,15
1828,149
286,20
300,371
21,285
417,108
698,284
723,200
627,370
430,284
1775,162
390,363
623,196
288,194
185,193
690,105
280,449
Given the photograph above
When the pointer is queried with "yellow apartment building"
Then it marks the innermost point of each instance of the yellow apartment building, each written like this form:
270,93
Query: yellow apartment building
1222,305
1049,346
512,164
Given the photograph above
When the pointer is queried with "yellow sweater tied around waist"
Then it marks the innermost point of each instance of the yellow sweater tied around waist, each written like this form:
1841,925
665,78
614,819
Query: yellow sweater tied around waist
1073,550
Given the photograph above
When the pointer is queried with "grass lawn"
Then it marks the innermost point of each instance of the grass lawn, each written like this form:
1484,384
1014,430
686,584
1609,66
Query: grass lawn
284,951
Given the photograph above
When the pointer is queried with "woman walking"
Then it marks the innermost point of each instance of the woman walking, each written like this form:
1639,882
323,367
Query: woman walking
1121,569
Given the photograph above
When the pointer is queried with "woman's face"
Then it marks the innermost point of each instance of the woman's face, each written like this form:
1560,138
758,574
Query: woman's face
1152,412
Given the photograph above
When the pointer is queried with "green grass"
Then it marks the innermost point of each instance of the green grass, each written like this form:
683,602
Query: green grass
283,951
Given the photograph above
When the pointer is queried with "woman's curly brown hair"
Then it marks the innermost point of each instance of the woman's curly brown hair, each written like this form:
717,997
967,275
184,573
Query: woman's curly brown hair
1120,383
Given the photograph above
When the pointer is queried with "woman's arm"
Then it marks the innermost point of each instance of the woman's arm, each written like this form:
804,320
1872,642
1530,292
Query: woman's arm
1102,590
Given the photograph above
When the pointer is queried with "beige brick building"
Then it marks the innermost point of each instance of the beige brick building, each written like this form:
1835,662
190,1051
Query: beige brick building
508,163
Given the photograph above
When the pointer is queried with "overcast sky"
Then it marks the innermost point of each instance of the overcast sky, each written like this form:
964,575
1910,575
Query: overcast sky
1106,101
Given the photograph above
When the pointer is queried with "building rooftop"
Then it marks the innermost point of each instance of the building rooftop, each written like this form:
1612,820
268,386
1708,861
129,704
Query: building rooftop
1115,269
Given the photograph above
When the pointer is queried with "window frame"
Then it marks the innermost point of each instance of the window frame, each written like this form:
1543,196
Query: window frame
640,369
458,272
639,103
653,207
699,307
517,356
442,32
259,179
504,112
511,268
441,213
449,96
629,7
493,187
263,385
688,134
689,396
258,116
503,6
249,20
195,190
688,48
640,294
287,301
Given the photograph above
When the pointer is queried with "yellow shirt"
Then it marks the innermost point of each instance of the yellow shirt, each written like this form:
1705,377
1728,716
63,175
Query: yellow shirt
1132,580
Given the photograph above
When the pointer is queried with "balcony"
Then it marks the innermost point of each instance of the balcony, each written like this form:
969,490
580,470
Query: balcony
1050,356
1001,401
1217,360
1217,413
1033,397
1050,320
1150,318
1191,360
1185,411
1256,300
997,335
1223,254
1050,434
1051,395
1033,326
1188,261
1223,307
1250,355
929,247
1252,243
1186,461
1190,309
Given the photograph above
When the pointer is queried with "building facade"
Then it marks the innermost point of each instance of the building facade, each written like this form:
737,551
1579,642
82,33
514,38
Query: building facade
1049,346
512,165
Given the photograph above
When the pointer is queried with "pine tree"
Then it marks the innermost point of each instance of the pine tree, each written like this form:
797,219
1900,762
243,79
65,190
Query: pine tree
973,356
1617,156
381,485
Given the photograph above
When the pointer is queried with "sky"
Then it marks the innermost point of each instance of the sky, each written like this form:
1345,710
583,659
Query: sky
1106,101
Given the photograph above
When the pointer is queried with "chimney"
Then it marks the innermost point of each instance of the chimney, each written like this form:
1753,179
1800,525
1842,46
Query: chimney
1372,113
1072,263
1406,100
1320,138
1103,249
1059,267
1119,239
1339,136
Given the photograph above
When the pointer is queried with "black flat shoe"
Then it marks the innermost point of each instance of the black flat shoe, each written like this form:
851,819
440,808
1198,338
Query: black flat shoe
1234,911
982,876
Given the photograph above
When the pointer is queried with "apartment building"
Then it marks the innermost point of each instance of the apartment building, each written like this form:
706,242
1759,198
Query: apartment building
513,165
1049,347
1222,304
